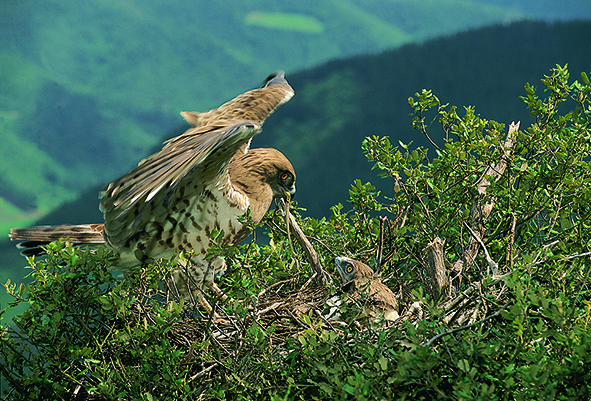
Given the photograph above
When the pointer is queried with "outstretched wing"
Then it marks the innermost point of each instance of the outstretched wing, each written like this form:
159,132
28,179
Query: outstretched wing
201,153
255,105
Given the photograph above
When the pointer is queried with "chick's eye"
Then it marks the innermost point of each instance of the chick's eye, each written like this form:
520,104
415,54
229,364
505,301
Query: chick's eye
284,176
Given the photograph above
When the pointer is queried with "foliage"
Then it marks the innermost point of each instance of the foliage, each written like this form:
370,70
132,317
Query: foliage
542,201
522,333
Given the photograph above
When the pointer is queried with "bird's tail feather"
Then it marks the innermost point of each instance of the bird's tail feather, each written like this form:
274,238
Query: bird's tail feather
34,237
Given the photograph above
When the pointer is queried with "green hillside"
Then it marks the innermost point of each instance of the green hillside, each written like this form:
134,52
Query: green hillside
87,88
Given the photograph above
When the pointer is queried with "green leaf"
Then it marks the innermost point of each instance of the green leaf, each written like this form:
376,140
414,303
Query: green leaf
106,303
349,389
464,365
383,362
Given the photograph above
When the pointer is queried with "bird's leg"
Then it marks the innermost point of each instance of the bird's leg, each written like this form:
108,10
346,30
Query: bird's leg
206,305
216,268
190,283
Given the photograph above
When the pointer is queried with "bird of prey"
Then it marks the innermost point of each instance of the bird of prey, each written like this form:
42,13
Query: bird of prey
359,282
200,182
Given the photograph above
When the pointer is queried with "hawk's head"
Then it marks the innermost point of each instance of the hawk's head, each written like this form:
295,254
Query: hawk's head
350,269
277,172
281,179
262,174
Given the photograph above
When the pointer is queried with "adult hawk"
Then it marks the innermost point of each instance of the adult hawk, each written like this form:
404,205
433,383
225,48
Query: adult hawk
359,282
200,181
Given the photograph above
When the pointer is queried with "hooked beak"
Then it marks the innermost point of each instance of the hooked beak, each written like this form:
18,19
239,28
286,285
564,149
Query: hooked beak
289,195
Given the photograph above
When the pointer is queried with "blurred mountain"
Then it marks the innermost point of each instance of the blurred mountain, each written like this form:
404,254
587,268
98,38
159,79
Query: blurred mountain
341,102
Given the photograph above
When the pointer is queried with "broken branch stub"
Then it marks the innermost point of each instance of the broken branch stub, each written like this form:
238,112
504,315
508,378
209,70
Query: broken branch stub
436,266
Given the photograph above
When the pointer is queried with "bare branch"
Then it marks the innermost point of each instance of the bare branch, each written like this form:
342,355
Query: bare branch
482,205
494,267
321,275
380,245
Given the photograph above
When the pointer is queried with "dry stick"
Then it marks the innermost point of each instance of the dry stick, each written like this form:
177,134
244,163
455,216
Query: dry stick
286,213
277,284
494,267
460,298
274,226
204,371
378,268
307,283
566,258
321,277
511,241
324,319
294,317
267,309
463,297
482,208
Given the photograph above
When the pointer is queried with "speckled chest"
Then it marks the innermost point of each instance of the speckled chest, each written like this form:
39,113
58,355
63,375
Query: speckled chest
188,225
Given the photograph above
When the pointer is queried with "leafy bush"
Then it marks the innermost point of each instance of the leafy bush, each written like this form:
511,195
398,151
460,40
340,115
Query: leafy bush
504,315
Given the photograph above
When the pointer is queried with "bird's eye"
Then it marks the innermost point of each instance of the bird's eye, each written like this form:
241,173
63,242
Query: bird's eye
349,269
284,176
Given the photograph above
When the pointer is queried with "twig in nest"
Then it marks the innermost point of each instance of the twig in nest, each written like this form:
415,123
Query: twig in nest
440,335
267,309
461,297
204,371
476,310
511,241
308,282
294,317
324,319
380,250
264,290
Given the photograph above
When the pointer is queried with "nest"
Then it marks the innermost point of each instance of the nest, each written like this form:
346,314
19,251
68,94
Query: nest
226,344
280,311
283,315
